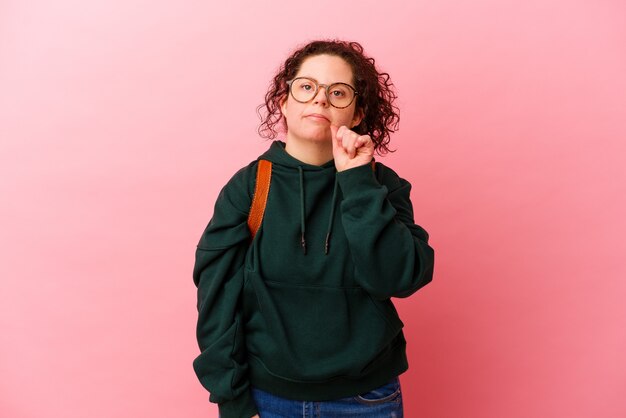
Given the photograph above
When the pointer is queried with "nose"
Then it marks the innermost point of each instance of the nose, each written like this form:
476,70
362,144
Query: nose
321,97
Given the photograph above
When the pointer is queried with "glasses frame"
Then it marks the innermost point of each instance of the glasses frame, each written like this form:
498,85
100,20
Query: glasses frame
317,89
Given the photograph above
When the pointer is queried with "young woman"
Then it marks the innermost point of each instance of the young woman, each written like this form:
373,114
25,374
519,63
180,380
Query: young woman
296,320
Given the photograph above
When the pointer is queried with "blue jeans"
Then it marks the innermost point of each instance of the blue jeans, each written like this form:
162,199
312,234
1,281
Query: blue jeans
382,402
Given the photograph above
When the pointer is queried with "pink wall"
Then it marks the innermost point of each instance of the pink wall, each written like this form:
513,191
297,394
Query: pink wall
121,120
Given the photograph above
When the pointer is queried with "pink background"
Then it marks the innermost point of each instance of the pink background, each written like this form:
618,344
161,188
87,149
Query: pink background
120,121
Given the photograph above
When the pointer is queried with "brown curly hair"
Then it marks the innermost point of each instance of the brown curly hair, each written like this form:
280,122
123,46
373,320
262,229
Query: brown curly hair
375,98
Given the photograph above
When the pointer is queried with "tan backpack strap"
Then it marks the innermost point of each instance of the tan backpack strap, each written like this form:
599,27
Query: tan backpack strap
261,190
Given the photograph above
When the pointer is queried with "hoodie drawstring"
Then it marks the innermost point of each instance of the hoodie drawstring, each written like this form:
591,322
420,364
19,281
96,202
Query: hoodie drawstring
302,214
302,226
332,216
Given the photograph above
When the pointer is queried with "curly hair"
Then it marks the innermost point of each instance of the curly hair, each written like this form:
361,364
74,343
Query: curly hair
375,99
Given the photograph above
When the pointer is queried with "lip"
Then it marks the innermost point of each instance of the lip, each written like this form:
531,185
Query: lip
317,116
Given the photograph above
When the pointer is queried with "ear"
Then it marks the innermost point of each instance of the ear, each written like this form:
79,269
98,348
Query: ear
283,105
358,116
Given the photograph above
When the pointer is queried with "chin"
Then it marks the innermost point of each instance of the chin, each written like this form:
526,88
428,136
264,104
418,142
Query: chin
321,135
316,136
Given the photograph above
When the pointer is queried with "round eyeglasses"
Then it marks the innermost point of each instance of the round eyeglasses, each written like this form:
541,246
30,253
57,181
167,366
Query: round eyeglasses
304,89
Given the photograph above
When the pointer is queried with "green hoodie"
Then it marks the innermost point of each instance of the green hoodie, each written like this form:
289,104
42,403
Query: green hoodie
304,310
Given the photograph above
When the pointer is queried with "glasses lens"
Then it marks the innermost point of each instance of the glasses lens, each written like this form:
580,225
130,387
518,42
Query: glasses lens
340,94
303,89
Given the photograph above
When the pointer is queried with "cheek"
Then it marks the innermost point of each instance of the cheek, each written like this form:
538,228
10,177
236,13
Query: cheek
345,118
292,109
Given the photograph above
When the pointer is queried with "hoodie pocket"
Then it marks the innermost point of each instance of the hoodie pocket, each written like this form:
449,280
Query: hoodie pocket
314,333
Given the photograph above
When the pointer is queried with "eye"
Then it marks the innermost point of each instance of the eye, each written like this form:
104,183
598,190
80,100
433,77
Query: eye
306,85
339,92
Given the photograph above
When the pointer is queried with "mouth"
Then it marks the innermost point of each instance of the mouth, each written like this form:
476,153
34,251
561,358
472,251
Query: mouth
317,117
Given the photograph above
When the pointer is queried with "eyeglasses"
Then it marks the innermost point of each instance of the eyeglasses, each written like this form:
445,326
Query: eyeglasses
304,89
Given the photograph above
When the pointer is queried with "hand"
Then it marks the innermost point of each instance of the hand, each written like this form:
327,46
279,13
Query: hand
350,149
256,416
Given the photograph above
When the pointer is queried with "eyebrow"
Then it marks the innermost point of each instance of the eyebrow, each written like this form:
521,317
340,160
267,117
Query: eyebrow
318,82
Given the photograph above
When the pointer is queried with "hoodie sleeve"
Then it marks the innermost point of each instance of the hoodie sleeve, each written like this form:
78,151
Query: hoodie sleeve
221,366
391,253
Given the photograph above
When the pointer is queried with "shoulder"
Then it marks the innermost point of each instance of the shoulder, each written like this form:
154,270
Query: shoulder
240,188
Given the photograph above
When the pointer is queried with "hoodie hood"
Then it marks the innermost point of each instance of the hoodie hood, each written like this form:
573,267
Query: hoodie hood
278,155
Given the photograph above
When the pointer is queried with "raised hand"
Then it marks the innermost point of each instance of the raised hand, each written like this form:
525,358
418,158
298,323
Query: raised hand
350,149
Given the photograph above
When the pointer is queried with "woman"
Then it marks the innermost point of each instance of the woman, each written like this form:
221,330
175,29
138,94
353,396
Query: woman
296,320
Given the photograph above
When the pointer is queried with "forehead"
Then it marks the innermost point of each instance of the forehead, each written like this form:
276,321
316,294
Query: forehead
326,69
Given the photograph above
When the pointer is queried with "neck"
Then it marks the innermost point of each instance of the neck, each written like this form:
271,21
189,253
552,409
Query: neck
310,152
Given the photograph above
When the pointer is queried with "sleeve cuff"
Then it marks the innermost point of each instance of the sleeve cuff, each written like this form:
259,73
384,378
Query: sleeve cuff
354,180
241,407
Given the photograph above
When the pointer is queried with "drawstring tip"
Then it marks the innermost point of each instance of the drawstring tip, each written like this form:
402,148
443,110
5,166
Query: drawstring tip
327,244
303,243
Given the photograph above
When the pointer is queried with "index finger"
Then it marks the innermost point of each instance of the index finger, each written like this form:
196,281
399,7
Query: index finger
333,132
